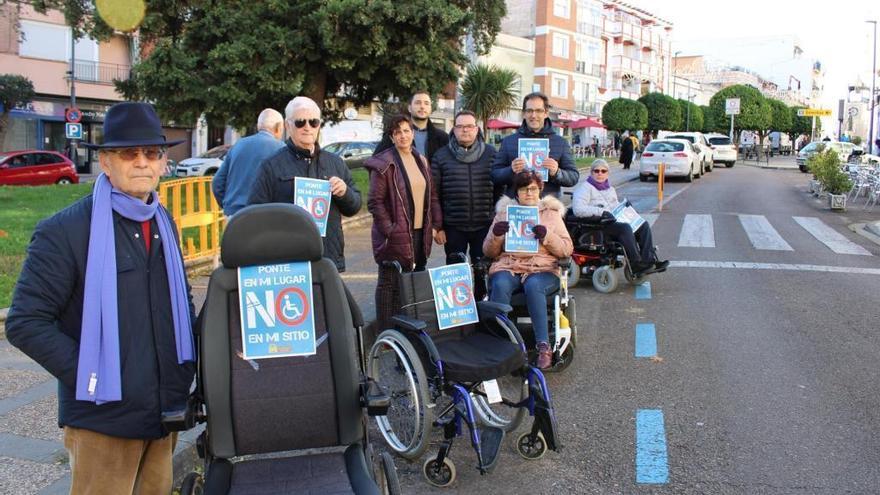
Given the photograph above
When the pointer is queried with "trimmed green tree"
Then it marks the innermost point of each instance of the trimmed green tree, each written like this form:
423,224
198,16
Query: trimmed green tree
695,115
623,114
663,112
488,90
755,113
15,90
799,125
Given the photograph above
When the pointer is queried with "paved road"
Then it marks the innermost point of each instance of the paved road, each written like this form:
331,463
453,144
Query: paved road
764,378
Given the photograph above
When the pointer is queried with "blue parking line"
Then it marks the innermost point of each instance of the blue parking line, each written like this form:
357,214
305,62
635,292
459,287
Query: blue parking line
646,340
643,291
651,462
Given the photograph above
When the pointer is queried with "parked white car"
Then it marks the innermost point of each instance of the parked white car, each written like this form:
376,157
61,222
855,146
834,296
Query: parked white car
679,156
723,150
701,146
205,164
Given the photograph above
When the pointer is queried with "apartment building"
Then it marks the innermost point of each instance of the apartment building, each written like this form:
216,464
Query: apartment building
38,47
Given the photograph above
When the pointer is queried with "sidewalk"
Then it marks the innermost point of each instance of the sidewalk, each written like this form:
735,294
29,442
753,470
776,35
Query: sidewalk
779,162
32,455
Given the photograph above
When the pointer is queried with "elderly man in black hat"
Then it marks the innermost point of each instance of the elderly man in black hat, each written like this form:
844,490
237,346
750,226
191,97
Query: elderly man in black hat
104,305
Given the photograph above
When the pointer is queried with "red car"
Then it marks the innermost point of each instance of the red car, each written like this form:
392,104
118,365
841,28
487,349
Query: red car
36,168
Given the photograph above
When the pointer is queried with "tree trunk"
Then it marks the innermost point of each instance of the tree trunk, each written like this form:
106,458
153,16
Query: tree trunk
4,122
316,86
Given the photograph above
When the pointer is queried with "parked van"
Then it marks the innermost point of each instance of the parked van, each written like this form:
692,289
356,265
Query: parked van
843,150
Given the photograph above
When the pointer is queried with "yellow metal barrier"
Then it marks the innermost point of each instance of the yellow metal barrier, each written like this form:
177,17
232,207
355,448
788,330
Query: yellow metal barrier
199,219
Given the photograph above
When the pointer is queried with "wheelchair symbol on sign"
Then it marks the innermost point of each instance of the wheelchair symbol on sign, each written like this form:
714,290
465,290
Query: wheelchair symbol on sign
526,229
462,294
291,306
319,208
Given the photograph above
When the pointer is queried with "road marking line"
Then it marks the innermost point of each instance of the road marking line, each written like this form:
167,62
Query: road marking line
761,234
651,218
651,456
830,237
697,231
646,340
774,266
643,291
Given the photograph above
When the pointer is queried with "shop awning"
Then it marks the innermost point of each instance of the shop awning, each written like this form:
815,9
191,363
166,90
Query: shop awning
501,124
585,124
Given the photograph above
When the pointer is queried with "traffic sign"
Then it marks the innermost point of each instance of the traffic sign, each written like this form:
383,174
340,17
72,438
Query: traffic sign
73,115
731,106
73,130
814,112
853,111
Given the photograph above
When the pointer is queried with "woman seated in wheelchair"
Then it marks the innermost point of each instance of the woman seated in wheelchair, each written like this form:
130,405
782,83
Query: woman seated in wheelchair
536,274
596,197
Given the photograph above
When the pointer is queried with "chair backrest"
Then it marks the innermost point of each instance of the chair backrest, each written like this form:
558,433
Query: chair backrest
417,301
285,403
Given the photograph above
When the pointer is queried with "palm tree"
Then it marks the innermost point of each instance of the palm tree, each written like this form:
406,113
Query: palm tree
488,90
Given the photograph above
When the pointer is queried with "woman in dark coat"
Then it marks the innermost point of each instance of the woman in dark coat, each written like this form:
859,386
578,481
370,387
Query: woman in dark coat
406,214
626,152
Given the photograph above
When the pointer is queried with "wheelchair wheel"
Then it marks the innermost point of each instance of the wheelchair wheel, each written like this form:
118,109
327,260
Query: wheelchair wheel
574,275
605,279
389,483
514,388
192,484
439,475
531,449
394,364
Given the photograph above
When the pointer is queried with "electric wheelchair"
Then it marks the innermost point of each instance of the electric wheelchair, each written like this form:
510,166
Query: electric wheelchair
443,378
258,412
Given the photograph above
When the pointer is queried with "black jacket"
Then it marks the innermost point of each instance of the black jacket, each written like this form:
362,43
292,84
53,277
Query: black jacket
46,316
274,184
465,189
436,140
567,176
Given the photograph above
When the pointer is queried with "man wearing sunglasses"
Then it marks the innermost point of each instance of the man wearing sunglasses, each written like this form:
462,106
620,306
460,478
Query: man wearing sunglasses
103,304
302,157
427,138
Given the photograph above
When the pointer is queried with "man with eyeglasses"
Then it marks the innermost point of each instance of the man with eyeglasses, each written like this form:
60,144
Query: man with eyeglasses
536,124
103,304
302,157
427,138
462,176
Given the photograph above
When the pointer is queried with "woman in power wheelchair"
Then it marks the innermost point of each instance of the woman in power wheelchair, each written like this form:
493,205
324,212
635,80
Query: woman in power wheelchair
476,374
596,197
259,411
534,274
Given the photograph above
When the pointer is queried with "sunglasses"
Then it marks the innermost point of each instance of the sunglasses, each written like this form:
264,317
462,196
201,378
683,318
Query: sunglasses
313,123
600,171
132,153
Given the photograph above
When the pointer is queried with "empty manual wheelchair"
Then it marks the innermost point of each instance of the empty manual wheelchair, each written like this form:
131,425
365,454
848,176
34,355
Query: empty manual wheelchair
443,378
290,424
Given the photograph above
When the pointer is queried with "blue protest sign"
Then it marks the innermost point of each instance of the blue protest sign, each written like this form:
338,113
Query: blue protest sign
453,295
313,195
534,152
277,316
519,238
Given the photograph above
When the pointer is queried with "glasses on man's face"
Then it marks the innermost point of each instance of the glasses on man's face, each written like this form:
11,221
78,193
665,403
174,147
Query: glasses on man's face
600,171
534,111
466,127
313,123
132,153
530,190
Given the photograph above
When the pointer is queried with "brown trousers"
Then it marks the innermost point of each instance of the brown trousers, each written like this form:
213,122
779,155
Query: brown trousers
101,464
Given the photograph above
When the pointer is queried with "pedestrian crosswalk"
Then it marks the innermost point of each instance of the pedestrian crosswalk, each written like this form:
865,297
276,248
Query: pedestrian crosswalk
699,231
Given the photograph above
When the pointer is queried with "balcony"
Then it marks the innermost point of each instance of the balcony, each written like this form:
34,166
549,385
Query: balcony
100,73
589,29
587,69
587,107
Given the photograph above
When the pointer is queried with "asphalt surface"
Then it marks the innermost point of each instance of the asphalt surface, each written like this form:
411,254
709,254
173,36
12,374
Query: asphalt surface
765,368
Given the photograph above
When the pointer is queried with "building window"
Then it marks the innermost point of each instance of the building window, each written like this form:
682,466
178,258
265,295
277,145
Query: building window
562,8
560,45
560,87
52,42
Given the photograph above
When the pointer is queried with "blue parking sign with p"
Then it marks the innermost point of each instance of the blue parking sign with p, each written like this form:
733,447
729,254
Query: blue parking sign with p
73,130
453,289
277,312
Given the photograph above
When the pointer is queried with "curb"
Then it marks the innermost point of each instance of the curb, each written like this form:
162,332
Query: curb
769,167
864,230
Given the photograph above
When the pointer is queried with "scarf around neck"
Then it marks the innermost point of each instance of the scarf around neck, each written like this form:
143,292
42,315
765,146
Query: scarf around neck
466,155
99,374
605,184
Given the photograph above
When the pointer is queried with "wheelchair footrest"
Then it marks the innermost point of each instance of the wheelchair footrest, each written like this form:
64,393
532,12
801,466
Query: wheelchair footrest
491,438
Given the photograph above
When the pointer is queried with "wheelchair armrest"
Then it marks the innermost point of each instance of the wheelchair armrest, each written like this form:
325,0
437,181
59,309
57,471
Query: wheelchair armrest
393,264
488,309
407,323
186,418
373,398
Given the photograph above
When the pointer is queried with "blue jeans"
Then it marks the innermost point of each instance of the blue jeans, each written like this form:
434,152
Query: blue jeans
536,287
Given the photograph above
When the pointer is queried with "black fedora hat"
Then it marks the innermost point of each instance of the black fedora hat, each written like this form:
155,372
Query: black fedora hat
132,124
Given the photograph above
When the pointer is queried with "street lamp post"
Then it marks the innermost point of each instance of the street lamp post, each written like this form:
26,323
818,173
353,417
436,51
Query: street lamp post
674,71
873,98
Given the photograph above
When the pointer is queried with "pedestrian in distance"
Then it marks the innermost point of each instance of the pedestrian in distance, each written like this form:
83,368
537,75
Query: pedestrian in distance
234,180
462,172
536,274
536,124
407,217
627,149
596,197
302,157
103,304
427,138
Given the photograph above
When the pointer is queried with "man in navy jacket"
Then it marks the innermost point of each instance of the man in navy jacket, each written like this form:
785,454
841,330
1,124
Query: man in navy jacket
103,304
536,124
233,182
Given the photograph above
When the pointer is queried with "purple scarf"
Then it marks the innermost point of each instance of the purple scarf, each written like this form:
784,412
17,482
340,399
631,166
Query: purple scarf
599,185
98,374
